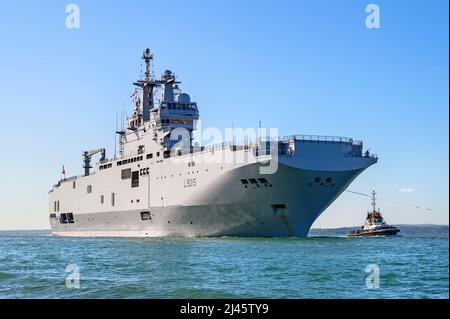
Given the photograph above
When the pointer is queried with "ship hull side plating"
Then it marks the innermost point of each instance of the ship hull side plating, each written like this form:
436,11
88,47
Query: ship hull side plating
285,206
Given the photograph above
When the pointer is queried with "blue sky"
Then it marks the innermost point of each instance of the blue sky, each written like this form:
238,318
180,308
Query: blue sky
307,67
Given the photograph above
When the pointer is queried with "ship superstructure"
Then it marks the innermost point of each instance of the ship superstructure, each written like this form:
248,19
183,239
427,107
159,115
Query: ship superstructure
164,185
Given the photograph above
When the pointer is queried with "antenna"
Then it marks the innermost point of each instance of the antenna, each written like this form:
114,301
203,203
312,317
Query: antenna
374,205
152,68
121,120
115,135
232,132
259,133
147,57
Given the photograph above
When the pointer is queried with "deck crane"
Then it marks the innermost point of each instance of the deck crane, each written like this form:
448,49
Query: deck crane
87,159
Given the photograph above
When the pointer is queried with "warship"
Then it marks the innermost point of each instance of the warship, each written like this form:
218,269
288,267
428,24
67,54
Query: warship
162,184
374,224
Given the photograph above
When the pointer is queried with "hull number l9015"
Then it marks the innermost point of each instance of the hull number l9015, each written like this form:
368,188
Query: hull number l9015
190,182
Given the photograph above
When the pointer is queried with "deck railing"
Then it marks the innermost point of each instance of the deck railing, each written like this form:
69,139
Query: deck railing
285,139
254,143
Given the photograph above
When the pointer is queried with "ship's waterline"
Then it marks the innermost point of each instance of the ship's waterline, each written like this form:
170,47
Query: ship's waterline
162,187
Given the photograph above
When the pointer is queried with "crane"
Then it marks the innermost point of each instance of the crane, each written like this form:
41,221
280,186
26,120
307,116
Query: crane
87,158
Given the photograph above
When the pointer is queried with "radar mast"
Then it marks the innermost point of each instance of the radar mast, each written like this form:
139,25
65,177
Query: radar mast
147,56
374,205
147,86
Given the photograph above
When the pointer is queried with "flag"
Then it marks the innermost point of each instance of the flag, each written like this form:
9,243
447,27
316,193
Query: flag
134,93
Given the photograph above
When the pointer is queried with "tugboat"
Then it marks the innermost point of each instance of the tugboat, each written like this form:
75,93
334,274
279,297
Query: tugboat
374,225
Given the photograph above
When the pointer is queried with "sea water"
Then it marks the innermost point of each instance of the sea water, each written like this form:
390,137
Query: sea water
42,266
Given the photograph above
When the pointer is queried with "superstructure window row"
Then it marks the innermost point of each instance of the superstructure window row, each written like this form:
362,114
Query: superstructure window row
130,160
180,106
137,159
175,121
105,166
150,156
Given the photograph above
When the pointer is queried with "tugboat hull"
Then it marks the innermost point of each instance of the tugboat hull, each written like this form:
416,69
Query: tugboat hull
379,232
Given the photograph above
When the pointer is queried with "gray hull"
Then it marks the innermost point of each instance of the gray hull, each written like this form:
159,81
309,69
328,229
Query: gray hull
285,206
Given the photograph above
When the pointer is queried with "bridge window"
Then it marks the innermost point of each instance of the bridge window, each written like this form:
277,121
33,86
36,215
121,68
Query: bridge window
70,218
253,181
149,155
263,180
